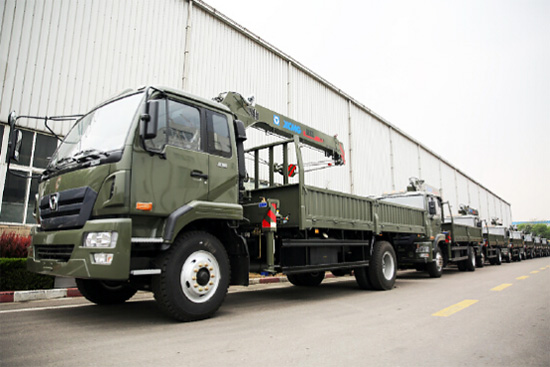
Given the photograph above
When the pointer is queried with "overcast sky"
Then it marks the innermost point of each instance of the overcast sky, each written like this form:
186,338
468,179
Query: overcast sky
468,79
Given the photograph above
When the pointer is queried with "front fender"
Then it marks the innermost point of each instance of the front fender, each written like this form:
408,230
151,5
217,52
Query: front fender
197,210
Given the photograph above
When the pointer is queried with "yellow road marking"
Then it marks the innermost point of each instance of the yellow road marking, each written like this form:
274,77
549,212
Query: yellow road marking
446,312
543,268
534,271
522,277
501,287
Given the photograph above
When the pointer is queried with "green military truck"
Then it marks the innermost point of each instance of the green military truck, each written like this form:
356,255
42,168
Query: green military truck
537,244
545,247
516,247
148,191
496,240
449,239
529,243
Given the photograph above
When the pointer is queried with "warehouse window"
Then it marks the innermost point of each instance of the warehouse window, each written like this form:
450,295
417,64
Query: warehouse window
19,193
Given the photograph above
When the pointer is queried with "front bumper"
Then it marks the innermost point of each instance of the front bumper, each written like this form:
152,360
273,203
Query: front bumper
60,253
418,253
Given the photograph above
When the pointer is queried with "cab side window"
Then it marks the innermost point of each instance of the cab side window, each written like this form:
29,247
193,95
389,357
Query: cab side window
219,139
180,127
184,126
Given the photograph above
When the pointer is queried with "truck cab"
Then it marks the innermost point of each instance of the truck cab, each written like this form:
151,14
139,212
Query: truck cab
120,189
516,246
449,239
421,251
495,245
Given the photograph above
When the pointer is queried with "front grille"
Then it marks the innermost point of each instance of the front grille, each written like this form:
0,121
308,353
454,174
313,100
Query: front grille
53,252
66,209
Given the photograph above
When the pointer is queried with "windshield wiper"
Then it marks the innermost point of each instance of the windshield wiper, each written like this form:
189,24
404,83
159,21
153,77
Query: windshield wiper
64,160
90,154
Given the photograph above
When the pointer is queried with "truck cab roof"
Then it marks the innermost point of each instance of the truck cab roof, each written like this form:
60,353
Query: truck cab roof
177,92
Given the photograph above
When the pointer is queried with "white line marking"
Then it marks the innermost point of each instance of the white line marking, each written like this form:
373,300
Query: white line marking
43,308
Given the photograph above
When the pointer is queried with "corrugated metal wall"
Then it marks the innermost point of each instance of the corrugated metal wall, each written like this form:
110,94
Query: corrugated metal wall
64,56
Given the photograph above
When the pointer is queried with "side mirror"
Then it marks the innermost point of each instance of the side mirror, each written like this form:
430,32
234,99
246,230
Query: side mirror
431,208
15,139
149,120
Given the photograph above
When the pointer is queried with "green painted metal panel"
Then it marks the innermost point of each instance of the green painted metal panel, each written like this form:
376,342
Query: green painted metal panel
462,233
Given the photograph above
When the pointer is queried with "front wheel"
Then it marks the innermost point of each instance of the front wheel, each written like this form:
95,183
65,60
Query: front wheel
435,268
105,292
194,278
509,257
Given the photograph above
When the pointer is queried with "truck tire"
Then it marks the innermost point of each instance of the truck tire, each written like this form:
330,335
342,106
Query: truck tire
104,292
498,259
435,268
480,260
306,279
362,277
509,257
471,262
383,266
194,278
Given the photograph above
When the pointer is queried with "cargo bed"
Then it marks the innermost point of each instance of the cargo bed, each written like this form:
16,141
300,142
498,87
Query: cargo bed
311,207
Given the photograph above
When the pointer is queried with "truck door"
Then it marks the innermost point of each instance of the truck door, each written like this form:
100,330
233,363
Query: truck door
179,173
223,178
436,214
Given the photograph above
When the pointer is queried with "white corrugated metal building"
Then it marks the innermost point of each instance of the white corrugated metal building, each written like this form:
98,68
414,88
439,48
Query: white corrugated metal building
64,56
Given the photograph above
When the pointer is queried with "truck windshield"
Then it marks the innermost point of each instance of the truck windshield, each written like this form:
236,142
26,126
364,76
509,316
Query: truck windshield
468,221
496,230
416,201
515,235
98,133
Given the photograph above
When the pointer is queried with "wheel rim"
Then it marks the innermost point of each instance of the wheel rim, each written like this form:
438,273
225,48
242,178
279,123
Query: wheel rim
439,261
473,258
200,276
388,266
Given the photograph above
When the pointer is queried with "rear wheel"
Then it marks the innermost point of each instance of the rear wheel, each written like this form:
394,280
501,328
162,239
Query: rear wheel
435,268
509,257
362,277
306,279
480,260
383,266
498,259
471,262
105,292
194,279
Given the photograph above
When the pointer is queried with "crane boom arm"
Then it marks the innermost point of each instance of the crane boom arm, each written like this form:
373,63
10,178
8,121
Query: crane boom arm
276,123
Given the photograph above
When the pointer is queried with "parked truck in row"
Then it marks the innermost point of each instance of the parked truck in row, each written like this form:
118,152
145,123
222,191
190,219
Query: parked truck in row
545,247
450,239
529,245
147,192
516,248
496,242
